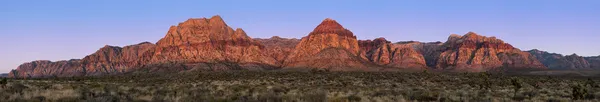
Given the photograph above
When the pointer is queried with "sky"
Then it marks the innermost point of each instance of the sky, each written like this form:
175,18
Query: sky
67,29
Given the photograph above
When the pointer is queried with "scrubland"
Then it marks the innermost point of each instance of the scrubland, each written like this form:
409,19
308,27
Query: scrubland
311,86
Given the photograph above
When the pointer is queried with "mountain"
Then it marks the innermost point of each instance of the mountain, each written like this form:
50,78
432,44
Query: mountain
594,62
278,48
329,46
201,43
3,75
210,44
395,55
473,52
569,62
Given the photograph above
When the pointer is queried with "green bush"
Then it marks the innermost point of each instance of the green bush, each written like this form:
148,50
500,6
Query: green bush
578,92
3,82
516,82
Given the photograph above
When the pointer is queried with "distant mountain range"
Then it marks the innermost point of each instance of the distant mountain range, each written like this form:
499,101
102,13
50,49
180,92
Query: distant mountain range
4,75
210,44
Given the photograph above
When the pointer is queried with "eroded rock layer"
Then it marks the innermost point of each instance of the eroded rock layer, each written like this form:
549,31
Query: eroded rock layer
569,62
328,46
473,52
208,41
210,44
382,52
278,48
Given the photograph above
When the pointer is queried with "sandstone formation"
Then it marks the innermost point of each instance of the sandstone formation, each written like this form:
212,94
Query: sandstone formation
278,48
328,46
210,41
210,44
473,52
113,59
44,68
569,62
196,43
382,52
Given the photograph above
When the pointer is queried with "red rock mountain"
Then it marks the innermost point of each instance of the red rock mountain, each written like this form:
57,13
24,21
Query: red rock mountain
209,41
473,52
398,55
328,46
278,48
210,44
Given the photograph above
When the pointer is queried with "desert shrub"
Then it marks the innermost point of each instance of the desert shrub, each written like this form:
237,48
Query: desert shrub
485,83
516,82
578,92
3,82
17,88
591,82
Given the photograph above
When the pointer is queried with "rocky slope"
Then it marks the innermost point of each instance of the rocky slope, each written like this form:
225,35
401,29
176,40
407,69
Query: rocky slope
209,41
473,52
328,46
196,43
594,62
569,62
382,52
210,44
44,68
278,48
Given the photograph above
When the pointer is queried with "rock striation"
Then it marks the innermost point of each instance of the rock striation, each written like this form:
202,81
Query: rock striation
210,44
44,68
594,62
569,62
473,52
209,41
278,48
329,46
398,55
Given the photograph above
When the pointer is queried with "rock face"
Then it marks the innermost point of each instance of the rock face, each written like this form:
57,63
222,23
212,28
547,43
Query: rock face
210,44
113,59
382,52
594,62
44,68
473,52
328,46
107,60
569,62
209,41
278,48
196,43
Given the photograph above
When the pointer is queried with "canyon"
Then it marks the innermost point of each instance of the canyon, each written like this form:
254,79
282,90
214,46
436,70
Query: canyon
210,44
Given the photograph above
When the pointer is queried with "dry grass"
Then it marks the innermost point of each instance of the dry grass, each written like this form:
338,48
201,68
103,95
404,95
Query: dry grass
276,86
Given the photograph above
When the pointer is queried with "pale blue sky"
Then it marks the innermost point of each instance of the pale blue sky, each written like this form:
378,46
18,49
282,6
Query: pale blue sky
64,29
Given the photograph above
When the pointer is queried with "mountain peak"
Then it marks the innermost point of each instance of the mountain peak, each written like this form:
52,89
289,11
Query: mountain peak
330,26
217,21
471,35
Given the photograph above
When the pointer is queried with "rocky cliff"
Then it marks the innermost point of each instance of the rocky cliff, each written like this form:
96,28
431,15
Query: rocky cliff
394,55
278,48
594,62
44,68
569,62
210,41
210,44
473,52
204,43
328,46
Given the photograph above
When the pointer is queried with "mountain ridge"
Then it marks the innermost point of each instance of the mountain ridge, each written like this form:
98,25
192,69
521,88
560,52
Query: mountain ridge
210,44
